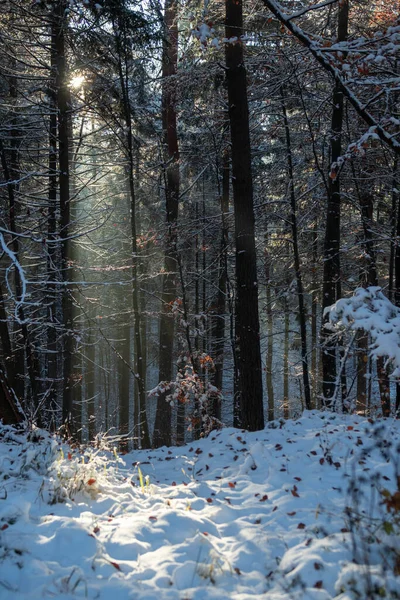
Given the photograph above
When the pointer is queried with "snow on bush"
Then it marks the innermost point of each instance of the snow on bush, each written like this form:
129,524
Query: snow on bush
370,310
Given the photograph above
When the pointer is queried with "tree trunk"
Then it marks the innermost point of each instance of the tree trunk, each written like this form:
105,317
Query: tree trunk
30,356
331,276
162,427
270,327
90,376
218,329
296,256
63,121
53,267
314,319
247,327
9,410
124,376
396,259
286,362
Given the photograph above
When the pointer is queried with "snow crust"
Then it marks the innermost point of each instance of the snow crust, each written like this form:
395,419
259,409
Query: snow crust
277,514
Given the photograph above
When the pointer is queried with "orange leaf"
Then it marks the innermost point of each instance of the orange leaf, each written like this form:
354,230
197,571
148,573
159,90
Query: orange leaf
232,485
115,565
91,481
69,456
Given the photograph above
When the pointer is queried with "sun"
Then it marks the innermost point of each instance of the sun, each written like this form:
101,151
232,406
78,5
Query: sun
77,81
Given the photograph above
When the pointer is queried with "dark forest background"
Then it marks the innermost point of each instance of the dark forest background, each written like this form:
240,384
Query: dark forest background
184,188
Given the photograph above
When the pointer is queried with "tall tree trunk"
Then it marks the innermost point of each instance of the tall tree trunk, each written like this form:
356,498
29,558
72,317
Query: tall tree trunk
270,333
314,318
9,409
30,355
140,374
286,413
371,279
63,121
396,252
53,267
162,427
90,376
393,224
296,256
196,419
247,326
123,49
124,377
218,328
331,276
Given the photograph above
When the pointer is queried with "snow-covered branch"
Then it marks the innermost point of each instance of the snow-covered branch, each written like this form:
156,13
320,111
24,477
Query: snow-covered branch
17,265
320,55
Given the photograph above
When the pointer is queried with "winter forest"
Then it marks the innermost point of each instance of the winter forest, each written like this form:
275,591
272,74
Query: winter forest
199,214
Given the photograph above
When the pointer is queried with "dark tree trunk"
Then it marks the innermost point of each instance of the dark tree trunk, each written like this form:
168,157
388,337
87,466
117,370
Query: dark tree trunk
90,376
63,122
122,42
9,411
30,356
218,328
53,267
5,339
162,427
270,326
395,253
296,256
286,412
124,376
314,318
331,276
247,327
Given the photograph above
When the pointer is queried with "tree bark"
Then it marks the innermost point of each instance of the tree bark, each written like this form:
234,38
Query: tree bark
296,256
247,327
331,276
314,319
30,355
63,122
53,267
162,427
218,329
270,328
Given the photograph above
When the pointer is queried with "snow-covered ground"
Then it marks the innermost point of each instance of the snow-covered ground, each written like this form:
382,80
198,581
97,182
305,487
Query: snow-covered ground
294,511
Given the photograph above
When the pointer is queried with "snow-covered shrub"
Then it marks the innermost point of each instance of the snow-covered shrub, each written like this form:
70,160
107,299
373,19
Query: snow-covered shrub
373,520
189,386
369,310
81,475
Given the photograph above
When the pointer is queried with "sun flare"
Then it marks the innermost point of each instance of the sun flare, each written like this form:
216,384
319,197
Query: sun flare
77,81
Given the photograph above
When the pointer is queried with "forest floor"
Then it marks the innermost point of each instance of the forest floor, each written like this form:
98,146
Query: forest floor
306,509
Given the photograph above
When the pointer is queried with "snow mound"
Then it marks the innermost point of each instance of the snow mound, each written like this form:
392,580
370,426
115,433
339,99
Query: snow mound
294,511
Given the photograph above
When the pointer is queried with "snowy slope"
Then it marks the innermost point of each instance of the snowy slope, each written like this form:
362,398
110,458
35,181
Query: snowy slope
238,515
